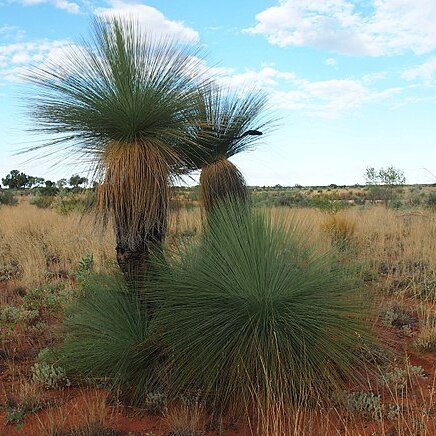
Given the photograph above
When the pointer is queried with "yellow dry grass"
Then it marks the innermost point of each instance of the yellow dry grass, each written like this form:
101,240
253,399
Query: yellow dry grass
385,233
32,240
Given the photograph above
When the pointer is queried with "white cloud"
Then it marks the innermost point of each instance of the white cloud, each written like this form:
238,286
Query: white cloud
8,32
65,5
331,62
323,98
372,77
14,58
20,58
266,77
425,71
381,27
151,19
331,98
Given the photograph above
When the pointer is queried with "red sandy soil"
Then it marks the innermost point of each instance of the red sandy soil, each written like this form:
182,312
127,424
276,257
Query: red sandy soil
119,419
124,421
127,422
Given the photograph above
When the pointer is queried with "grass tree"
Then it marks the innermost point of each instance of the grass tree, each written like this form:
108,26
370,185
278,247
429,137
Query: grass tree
229,123
258,317
123,101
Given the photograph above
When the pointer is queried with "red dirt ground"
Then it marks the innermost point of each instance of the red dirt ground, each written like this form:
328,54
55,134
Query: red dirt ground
123,421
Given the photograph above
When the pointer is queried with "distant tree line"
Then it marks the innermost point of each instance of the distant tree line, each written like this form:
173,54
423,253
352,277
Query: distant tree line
19,180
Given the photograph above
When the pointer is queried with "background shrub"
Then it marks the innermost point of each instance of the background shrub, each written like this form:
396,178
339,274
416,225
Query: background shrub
431,200
42,201
8,198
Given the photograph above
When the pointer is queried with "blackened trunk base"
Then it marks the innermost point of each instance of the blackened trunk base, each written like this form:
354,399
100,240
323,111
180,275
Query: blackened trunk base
135,263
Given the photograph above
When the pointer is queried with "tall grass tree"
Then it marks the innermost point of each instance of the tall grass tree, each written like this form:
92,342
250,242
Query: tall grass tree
121,102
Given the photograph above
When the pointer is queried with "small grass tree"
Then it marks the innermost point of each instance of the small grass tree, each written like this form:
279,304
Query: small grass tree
229,123
122,101
257,317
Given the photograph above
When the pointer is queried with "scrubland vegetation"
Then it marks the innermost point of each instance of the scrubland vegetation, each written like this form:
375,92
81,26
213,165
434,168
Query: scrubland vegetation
51,261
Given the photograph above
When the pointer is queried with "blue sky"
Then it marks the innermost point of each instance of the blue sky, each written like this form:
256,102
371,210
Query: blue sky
354,82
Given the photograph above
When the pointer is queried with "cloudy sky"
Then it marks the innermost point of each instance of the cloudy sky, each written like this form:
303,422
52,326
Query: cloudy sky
353,81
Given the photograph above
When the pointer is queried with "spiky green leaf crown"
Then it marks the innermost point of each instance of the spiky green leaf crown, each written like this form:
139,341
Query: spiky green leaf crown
123,86
223,118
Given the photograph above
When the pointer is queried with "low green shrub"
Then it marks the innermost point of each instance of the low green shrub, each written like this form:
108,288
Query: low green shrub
431,200
396,204
42,201
67,203
399,379
12,314
362,403
10,270
8,198
85,266
394,315
47,298
49,375
329,202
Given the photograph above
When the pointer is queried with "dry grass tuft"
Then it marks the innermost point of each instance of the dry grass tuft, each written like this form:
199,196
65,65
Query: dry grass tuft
340,229
426,340
24,395
54,422
92,414
20,399
87,418
184,419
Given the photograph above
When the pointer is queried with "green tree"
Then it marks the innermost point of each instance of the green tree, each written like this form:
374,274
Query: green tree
50,189
35,181
16,180
61,183
76,181
125,102
383,183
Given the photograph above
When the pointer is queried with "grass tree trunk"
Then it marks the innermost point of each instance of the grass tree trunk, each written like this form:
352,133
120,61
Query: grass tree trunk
219,181
135,260
136,193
